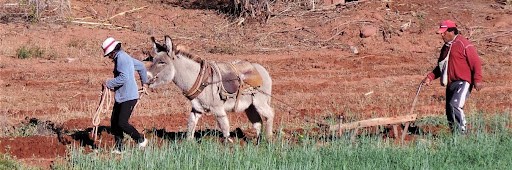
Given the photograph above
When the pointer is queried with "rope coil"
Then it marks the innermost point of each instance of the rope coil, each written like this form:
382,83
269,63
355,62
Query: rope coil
106,96
105,104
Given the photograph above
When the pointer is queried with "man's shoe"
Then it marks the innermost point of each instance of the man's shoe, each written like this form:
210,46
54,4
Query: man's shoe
143,144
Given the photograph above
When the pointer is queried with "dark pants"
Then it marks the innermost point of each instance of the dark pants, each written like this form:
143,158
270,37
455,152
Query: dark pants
119,123
456,94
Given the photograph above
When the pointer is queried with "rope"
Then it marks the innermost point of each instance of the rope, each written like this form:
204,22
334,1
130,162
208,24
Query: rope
106,96
142,92
104,105
279,100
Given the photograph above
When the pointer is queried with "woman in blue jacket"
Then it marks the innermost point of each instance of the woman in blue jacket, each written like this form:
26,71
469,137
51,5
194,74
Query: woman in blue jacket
126,92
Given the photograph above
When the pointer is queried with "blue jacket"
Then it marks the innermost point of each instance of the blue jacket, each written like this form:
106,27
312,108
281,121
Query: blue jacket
124,82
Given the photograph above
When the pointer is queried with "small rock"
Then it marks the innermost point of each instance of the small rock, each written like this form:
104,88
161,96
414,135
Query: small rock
377,16
354,50
368,31
69,60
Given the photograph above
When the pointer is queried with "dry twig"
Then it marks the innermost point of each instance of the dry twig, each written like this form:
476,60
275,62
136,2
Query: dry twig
283,31
129,11
495,35
100,24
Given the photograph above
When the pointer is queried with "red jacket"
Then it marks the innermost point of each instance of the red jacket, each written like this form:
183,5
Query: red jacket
463,64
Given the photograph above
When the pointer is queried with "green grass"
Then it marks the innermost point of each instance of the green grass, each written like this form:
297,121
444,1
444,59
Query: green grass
7,163
25,52
488,146
25,129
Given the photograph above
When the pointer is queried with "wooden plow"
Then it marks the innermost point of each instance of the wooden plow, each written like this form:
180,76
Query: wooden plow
394,121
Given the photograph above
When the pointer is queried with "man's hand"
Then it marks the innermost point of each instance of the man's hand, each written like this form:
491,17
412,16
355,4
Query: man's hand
144,89
104,85
478,86
426,81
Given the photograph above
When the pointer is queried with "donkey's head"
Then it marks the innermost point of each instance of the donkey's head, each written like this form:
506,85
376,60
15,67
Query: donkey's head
162,68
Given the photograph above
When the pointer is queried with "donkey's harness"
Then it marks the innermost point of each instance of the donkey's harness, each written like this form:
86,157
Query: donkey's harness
236,78
201,81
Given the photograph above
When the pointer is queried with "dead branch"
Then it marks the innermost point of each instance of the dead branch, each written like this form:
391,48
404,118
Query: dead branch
101,24
283,31
11,4
129,11
495,35
338,32
84,18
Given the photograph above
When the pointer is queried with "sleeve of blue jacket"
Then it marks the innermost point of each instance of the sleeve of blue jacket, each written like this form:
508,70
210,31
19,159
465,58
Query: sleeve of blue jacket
123,69
141,69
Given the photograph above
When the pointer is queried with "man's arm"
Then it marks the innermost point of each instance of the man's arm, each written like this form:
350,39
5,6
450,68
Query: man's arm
475,64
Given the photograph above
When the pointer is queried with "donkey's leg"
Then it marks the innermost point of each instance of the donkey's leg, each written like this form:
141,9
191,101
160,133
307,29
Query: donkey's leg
223,121
262,104
255,118
191,124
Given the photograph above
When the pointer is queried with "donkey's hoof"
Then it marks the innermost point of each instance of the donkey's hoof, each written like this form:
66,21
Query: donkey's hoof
258,140
228,140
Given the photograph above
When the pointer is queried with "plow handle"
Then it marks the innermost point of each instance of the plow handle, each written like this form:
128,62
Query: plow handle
406,127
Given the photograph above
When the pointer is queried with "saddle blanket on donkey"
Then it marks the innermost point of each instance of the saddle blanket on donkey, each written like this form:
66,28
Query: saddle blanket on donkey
237,77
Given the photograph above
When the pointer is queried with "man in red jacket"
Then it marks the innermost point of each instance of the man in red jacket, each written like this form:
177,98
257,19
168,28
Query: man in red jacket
460,70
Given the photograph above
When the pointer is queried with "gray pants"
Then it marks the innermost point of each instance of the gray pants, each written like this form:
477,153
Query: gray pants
456,94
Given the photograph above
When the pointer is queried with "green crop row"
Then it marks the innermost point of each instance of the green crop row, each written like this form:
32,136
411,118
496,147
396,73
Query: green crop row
487,146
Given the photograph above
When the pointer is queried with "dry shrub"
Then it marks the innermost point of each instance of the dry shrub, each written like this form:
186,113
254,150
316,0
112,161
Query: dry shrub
249,9
34,10
258,10
252,8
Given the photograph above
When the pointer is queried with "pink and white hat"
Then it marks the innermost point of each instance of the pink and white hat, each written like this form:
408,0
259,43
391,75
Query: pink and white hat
108,45
445,25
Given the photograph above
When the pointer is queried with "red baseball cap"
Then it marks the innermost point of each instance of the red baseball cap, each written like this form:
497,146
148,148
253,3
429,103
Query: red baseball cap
445,25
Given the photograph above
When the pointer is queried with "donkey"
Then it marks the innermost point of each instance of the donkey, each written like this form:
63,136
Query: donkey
172,63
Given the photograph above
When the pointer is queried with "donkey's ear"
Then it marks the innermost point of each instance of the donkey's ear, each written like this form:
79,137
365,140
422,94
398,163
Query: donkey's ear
149,57
155,45
168,45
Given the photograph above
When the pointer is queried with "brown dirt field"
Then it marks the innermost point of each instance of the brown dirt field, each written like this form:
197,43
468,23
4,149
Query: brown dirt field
308,53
